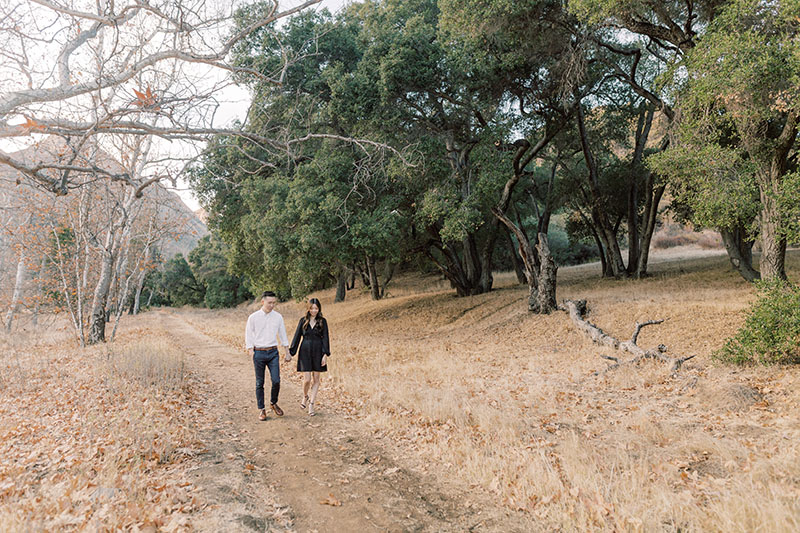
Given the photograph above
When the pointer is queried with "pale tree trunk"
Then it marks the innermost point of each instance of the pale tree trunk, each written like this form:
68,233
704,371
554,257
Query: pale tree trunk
140,282
39,281
97,316
540,269
124,288
16,298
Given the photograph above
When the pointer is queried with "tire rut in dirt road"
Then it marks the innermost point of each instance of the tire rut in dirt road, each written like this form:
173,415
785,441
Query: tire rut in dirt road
325,457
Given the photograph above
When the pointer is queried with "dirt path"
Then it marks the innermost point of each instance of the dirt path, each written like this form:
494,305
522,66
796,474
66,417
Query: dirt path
308,459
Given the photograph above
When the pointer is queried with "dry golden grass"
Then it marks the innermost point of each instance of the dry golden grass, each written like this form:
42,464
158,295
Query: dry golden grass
487,396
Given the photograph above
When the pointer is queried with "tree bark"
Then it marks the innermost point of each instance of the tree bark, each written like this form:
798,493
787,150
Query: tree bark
649,219
16,298
546,300
137,297
97,317
600,218
518,270
740,252
486,280
388,273
341,285
374,285
38,304
773,245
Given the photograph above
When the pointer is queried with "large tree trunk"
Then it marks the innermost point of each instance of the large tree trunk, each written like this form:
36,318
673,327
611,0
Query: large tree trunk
633,227
770,177
486,278
374,285
546,301
540,269
740,252
97,316
137,297
649,220
16,298
450,265
472,263
341,285
605,230
97,326
636,226
773,245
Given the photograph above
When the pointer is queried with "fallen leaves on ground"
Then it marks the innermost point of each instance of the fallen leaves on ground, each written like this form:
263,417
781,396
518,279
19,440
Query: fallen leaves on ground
331,500
85,448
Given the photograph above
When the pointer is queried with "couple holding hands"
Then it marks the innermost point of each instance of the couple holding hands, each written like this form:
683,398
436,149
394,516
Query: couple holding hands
265,331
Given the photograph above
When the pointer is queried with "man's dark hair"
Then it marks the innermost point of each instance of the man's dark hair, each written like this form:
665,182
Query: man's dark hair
268,294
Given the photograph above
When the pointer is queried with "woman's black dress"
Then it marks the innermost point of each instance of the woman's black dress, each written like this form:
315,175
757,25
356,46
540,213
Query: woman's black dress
314,345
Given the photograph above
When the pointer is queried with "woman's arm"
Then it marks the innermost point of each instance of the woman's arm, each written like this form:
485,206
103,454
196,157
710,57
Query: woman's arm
296,339
326,343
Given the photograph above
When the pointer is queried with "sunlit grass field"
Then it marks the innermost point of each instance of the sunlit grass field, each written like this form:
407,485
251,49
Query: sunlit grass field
519,409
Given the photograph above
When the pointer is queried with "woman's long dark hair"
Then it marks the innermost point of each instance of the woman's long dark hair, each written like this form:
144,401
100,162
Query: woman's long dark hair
307,320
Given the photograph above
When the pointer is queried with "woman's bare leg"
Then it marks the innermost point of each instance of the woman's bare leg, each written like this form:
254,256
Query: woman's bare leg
314,386
306,386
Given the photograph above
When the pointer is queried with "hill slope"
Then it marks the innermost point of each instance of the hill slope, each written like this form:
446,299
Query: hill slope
519,409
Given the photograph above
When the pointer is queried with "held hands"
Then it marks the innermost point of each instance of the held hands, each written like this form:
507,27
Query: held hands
288,357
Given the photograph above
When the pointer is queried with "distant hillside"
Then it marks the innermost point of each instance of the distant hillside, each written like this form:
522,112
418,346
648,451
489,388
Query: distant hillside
190,228
194,228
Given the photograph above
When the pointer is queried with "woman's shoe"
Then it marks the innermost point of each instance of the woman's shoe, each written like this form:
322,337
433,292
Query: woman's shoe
311,409
304,402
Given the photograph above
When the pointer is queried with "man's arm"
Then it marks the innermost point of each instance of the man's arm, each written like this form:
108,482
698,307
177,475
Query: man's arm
248,335
283,339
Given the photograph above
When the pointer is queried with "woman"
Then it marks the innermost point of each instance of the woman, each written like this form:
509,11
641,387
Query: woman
314,351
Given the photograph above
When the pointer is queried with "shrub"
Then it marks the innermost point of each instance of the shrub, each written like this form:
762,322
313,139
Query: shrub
567,251
671,240
771,332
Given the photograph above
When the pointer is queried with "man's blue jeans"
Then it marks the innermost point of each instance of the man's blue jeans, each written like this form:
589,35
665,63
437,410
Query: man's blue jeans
261,361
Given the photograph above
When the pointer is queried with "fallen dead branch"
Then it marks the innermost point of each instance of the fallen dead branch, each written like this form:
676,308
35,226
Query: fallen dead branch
577,311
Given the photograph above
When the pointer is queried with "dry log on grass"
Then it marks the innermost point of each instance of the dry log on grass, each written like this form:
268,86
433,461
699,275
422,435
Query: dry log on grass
577,312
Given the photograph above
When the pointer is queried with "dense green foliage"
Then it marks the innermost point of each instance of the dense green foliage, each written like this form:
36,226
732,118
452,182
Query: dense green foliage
771,332
203,280
444,135
733,161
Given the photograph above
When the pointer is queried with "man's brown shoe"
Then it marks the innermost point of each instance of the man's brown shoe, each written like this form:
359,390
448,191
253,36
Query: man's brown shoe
278,410
263,415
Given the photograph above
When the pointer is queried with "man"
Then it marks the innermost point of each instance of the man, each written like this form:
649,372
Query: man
265,330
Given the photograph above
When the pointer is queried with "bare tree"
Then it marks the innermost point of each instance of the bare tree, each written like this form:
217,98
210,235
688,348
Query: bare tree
85,69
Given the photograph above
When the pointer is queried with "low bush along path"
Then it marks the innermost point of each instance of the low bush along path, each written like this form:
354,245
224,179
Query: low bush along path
323,467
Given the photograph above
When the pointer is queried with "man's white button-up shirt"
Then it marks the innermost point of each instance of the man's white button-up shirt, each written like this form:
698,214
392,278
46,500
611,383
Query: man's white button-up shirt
265,329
